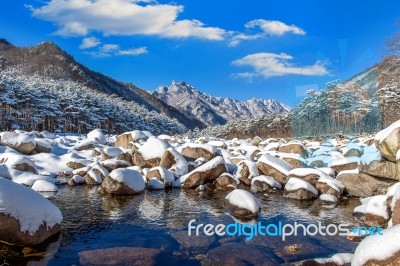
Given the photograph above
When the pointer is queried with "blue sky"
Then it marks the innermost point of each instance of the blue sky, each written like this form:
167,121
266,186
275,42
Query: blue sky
236,49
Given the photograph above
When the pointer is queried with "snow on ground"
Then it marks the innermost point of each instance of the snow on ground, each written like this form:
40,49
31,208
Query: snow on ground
244,199
29,207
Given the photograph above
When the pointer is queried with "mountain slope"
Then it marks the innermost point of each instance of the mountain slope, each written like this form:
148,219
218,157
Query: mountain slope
48,61
214,110
367,102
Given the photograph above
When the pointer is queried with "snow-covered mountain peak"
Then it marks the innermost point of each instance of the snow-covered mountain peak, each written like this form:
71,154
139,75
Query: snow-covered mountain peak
215,110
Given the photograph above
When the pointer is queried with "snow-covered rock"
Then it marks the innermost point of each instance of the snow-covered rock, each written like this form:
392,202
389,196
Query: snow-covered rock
205,173
192,151
242,204
20,142
263,183
363,185
150,153
297,188
388,141
174,161
246,171
227,181
44,186
26,217
76,180
296,148
275,167
124,181
162,174
379,249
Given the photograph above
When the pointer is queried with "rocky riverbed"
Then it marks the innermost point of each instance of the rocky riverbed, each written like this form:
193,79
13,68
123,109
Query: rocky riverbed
114,199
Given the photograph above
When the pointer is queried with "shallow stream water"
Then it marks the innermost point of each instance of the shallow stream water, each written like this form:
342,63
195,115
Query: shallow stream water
159,220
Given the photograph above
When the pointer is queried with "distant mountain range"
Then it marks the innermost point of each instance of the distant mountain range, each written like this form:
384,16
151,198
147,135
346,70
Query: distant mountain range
215,110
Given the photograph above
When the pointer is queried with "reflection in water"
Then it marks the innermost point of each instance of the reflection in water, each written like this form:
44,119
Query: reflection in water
154,219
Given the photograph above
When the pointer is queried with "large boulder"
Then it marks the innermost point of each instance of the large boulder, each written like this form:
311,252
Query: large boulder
363,185
385,169
296,148
346,163
161,174
242,204
150,153
26,217
227,181
20,142
124,181
19,162
380,249
173,160
275,167
192,151
205,173
373,211
299,189
42,145
264,183
246,171
388,141
127,139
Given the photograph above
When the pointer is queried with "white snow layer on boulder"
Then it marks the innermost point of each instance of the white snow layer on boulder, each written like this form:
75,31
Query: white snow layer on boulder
279,164
378,247
338,259
205,167
131,178
27,206
267,179
15,139
244,199
153,148
295,183
181,166
384,133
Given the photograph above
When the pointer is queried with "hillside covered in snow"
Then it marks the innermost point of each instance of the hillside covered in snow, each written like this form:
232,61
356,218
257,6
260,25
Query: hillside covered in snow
365,103
215,110
44,88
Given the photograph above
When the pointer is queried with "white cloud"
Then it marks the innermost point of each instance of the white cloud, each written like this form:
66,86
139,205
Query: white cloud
236,39
133,51
110,49
122,17
89,42
269,65
106,48
275,27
